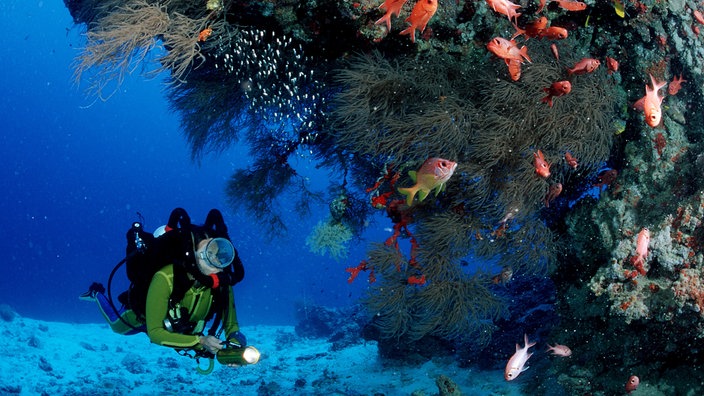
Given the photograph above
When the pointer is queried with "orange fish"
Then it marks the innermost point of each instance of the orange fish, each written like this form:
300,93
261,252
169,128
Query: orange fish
650,103
571,5
392,7
416,280
585,65
611,65
421,14
505,7
432,175
542,168
554,33
204,34
532,29
556,89
675,85
507,50
571,161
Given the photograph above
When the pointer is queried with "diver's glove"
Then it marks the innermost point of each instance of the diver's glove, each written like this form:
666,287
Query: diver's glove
211,344
236,337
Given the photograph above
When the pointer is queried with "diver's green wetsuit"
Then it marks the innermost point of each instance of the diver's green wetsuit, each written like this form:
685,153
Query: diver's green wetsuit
197,301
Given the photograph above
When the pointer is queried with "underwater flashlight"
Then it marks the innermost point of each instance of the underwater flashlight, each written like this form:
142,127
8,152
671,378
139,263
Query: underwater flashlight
238,355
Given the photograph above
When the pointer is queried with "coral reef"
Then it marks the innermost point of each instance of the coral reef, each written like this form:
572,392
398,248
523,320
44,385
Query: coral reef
378,106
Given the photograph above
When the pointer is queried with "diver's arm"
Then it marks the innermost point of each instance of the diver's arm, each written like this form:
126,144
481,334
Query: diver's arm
157,309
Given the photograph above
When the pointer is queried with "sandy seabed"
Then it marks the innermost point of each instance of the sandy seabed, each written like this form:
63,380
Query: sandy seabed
55,358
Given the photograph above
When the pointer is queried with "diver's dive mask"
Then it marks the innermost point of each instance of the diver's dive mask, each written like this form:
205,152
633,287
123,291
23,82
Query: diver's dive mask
218,253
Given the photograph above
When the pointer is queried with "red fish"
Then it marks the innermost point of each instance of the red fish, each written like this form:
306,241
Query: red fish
642,243
556,89
507,50
532,28
432,175
542,168
554,33
505,7
571,5
675,85
392,7
421,14
585,65
560,350
416,280
571,161
516,364
650,103
611,65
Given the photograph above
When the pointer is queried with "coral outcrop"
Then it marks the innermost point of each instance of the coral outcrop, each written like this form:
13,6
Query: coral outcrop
378,106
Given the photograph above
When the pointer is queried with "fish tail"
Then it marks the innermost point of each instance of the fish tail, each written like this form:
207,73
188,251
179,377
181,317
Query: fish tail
409,193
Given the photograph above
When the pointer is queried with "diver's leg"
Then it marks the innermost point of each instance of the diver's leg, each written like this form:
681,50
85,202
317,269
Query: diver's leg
121,322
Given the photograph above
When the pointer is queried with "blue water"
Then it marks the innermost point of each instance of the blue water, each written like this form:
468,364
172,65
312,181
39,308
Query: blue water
75,173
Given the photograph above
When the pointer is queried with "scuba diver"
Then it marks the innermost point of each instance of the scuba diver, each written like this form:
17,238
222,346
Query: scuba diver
181,279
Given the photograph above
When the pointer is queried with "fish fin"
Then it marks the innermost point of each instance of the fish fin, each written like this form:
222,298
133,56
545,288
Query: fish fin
413,176
524,53
422,194
440,188
525,336
385,19
410,30
409,193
